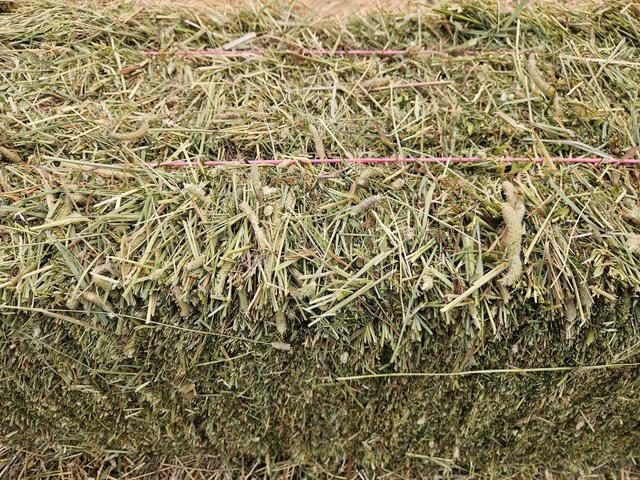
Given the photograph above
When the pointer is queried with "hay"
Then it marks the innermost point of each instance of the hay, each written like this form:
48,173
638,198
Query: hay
136,134
310,320
9,155
513,215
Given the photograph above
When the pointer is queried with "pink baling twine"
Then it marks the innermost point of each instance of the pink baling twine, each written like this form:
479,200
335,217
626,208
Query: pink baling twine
261,53
388,160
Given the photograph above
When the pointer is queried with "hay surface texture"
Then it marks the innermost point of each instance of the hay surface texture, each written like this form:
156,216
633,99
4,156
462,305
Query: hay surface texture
306,321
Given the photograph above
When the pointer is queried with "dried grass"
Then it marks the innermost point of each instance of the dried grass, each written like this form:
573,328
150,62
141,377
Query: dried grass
310,320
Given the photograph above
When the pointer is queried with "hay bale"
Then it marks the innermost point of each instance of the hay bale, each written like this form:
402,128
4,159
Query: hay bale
268,321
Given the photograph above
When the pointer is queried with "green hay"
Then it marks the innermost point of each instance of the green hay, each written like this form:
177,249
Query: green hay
275,322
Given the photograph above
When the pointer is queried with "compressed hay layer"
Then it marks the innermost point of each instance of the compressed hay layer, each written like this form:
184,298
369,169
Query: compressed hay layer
220,315
115,339
75,79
